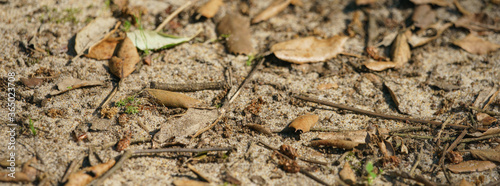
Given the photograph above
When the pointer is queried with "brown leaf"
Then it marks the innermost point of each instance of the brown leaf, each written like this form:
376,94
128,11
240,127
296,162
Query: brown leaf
476,45
365,2
275,8
335,143
104,49
28,173
123,64
487,154
260,128
373,52
423,37
309,49
394,97
86,175
356,26
124,143
358,136
72,83
347,175
91,34
434,2
172,99
423,16
186,182
465,183
304,123
32,82
401,52
485,119
210,8
472,166
238,29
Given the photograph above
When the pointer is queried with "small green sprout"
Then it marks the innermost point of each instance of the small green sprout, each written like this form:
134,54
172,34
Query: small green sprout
126,26
69,87
371,174
249,60
225,35
132,110
32,126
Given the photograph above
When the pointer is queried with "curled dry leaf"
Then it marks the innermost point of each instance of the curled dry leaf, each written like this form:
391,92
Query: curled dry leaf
423,16
434,2
123,64
373,52
186,182
172,99
260,128
309,49
358,136
238,29
485,119
347,175
304,123
72,83
472,166
86,175
487,154
335,143
92,33
423,37
476,45
401,52
275,8
210,8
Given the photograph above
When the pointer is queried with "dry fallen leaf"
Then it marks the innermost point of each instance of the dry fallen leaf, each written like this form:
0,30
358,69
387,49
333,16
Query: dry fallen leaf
487,154
472,166
327,86
379,66
210,8
422,37
309,49
423,16
401,52
476,45
28,173
335,143
92,33
186,182
72,83
32,82
86,175
485,119
275,8
373,52
123,64
237,28
358,136
365,2
104,49
172,99
304,123
434,2
347,175
478,22
260,128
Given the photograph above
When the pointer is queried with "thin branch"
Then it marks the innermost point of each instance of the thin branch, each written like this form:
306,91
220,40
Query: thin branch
171,16
181,150
419,157
208,127
249,76
198,173
189,87
493,113
113,169
374,114
416,178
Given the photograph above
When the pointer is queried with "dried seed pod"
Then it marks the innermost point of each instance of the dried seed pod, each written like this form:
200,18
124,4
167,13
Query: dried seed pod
289,151
335,143
289,166
455,157
172,99
304,123
124,142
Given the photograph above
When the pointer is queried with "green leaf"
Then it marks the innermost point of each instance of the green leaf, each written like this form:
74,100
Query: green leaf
32,126
151,40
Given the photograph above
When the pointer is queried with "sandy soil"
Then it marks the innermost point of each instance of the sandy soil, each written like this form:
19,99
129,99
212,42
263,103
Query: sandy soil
54,23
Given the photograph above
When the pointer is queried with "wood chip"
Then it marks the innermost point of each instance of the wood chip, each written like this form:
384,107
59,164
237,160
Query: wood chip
309,49
172,99
472,166
335,143
304,123
275,8
347,174
475,45
238,29
210,8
